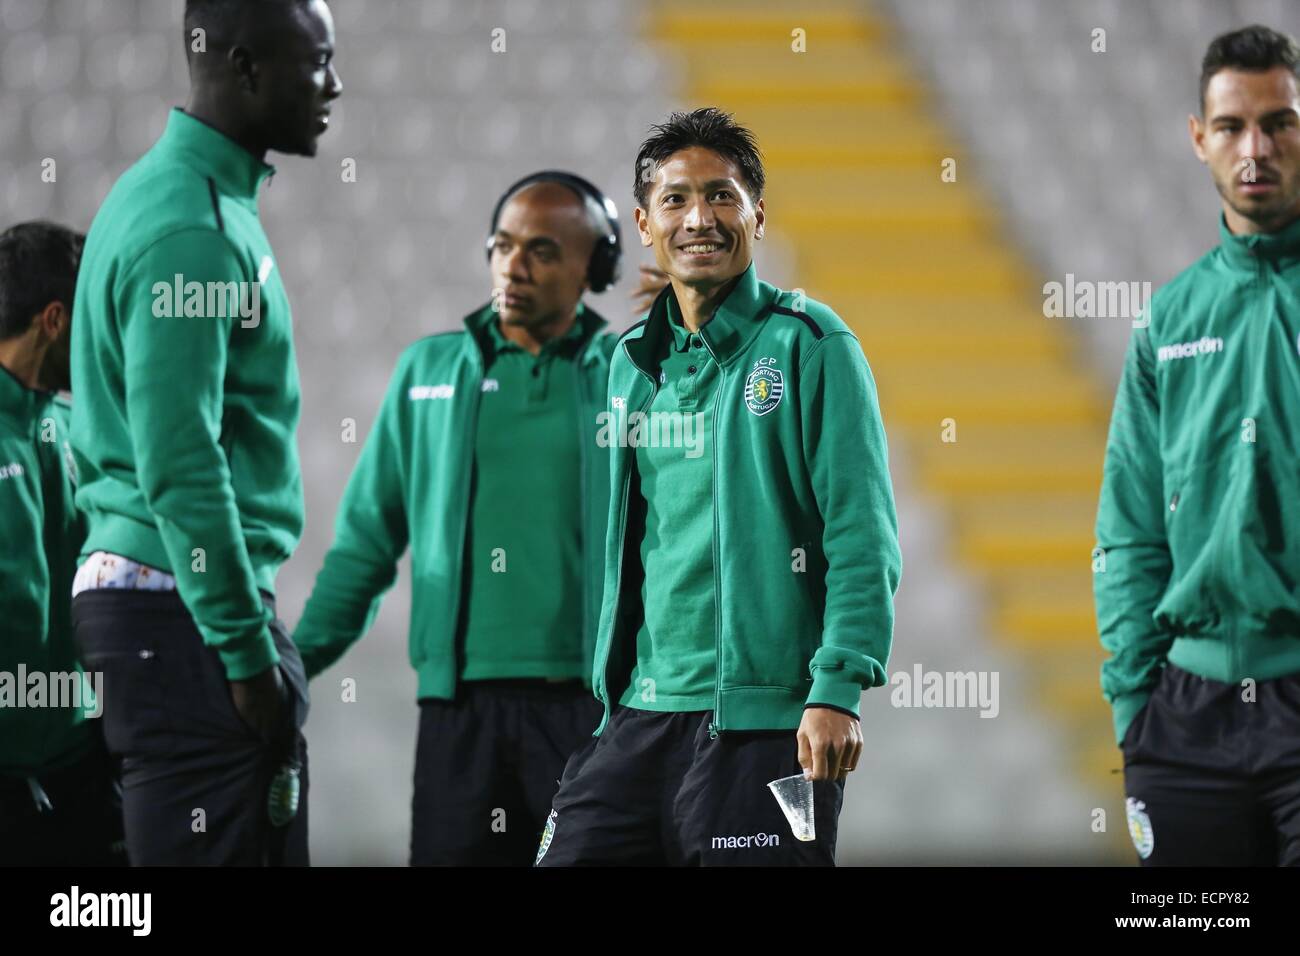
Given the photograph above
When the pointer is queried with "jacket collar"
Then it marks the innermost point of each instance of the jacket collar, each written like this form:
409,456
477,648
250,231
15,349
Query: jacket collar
483,331
572,340
1244,252
216,156
17,401
727,333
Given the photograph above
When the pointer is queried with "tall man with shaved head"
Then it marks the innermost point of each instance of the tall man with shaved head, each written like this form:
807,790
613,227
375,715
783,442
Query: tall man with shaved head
1197,598
184,435
484,461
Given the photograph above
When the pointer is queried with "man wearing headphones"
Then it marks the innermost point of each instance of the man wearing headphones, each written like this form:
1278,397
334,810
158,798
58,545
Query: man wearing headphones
484,460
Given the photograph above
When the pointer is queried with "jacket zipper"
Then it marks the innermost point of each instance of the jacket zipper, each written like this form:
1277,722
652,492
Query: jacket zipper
715,725
1258,331
583,495
467,454
622,541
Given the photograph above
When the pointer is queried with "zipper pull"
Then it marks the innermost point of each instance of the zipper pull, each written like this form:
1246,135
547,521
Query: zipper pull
713,731
39,797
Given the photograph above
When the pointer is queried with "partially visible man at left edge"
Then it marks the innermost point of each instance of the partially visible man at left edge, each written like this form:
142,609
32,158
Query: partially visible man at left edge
59,800
184,436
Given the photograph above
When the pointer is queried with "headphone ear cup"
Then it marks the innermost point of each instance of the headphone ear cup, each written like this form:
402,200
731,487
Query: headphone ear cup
613,265
596,270
603,270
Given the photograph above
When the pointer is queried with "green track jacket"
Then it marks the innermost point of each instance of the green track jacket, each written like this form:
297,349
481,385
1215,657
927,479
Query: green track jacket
1199,521
411,485
805,545
184,424
41,533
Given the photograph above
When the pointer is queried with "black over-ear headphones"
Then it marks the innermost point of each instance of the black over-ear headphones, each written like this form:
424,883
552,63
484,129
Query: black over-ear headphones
607,257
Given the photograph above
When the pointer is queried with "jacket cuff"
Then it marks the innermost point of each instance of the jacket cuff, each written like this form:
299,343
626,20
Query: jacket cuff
838,710
1124,708
830,687
246,658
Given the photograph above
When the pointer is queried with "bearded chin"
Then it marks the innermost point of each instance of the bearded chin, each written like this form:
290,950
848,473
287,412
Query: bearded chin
1262,213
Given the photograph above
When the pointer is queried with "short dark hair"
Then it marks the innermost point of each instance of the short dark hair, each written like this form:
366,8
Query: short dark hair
38,265
710,128
1253,48
224,22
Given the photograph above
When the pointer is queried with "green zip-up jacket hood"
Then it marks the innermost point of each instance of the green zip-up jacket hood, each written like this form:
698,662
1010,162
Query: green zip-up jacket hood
805,545
186,412
411,485
1198,527
42,533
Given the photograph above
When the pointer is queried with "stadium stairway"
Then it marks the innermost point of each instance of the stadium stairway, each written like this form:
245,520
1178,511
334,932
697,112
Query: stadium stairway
990,411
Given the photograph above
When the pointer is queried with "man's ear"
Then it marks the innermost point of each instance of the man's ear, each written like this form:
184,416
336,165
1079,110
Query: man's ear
758,220
242,62
643,227
1196,132
52,320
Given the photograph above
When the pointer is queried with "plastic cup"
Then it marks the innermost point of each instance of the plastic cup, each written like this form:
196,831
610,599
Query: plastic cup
794,795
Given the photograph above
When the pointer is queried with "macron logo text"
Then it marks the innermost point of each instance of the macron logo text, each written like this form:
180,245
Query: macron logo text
1202,346
747,841
421,392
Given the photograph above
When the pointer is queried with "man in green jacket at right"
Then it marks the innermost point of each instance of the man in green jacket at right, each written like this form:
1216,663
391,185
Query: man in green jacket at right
752,556
484,460
1198,530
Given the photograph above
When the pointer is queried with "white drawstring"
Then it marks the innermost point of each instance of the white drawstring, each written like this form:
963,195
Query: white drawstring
39,797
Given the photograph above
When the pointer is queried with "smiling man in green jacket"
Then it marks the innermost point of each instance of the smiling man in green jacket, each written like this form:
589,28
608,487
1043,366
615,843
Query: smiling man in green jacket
484,461
752,555
1199,520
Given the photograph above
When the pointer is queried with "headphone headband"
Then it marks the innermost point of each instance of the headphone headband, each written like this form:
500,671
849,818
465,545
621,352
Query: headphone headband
606,258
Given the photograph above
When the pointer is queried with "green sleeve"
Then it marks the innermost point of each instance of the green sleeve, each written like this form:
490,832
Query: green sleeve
1132,567
73,531
848,460
174,375
370,534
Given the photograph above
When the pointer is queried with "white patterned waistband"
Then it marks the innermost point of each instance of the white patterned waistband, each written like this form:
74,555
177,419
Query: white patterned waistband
105,570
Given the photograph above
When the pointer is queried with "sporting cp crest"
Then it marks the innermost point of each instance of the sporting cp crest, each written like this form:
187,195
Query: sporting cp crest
282,798
547,834
1139,827
763,388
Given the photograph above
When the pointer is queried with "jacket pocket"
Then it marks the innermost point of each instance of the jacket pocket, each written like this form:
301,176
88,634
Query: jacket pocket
1133,733
1193,506
120,636
1260,547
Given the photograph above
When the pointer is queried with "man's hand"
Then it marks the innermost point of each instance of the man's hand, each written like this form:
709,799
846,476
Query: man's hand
830,743
651,284
260,701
